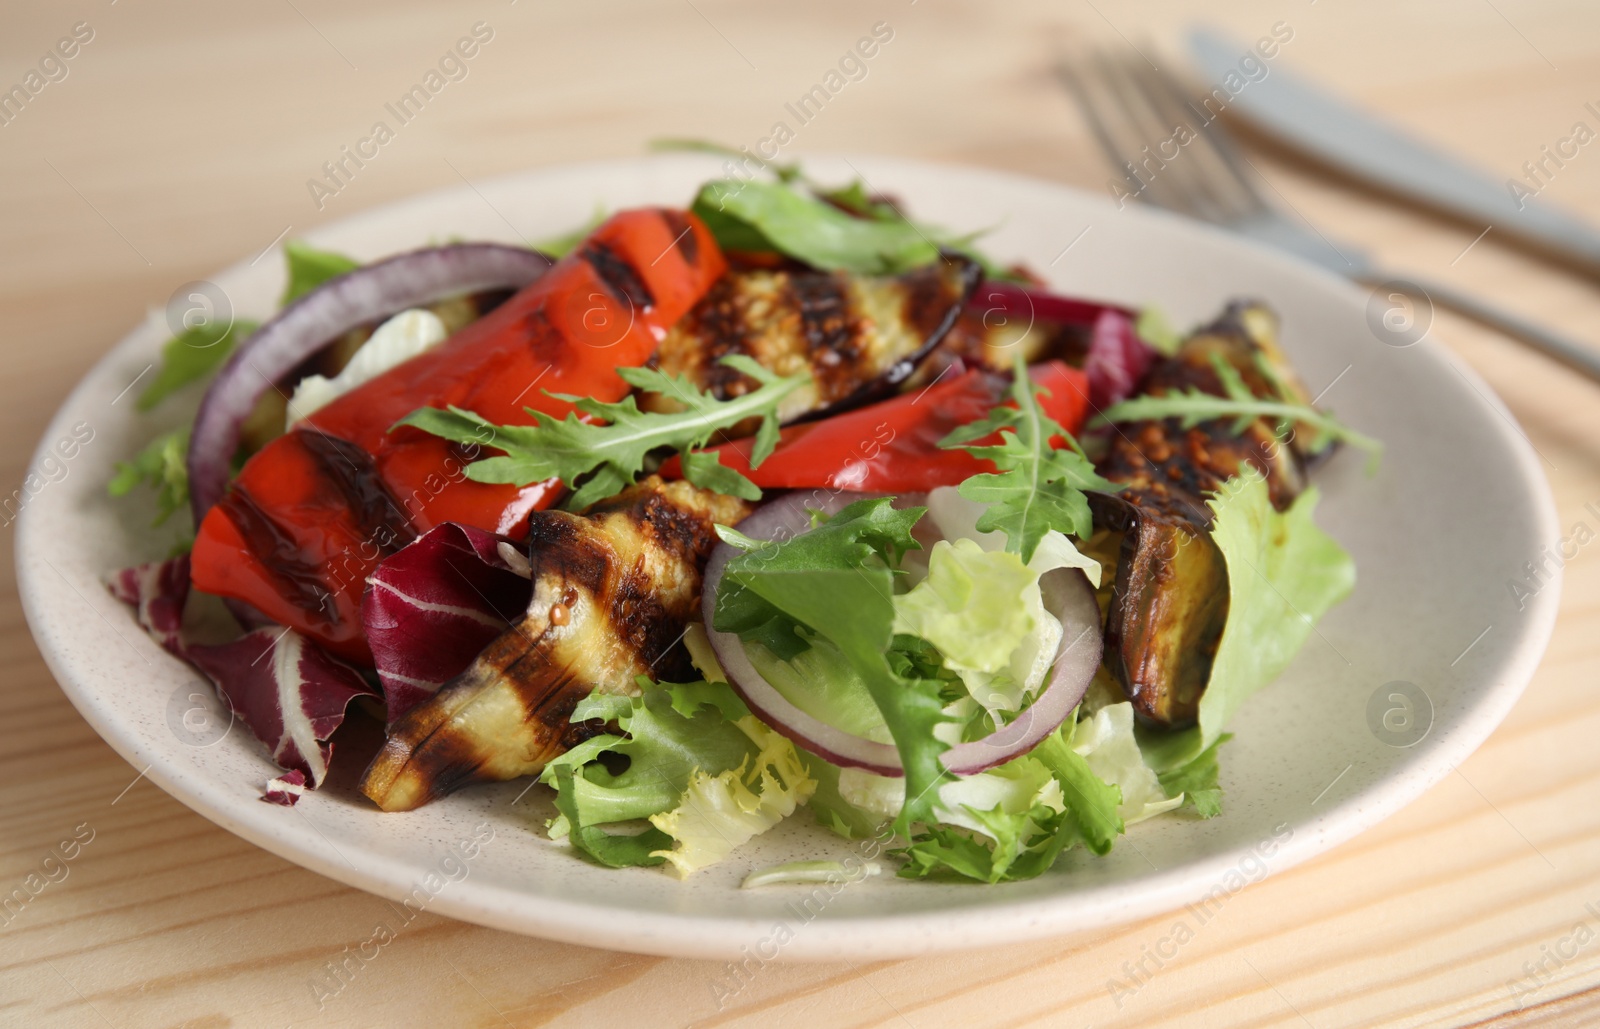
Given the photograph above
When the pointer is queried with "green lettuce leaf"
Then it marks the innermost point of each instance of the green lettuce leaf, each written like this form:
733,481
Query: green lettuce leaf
1284,574
190,356
1196,782
835,582
663,747
1107,744
309,268
864,531
968,607
699,766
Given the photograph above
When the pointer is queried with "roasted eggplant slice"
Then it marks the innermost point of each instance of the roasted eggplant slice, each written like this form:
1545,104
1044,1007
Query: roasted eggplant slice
613,590
1170,599
858,336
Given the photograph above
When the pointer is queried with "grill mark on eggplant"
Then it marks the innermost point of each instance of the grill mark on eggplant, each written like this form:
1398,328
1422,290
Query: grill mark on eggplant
683,236
629,573
928,299
282,558
831,331
718,321
619,277
1170,599
379,518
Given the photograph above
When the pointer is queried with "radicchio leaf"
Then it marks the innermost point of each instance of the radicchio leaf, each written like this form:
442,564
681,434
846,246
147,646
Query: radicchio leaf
286,788
291,693
157,591
431,607
1117,359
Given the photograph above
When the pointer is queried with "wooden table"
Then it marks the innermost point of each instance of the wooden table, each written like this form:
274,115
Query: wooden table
183,135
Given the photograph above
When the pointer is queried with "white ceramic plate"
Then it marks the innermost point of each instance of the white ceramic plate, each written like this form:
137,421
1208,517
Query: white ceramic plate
1459,506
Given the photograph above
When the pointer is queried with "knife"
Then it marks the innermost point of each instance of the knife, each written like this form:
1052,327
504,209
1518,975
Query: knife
1340,135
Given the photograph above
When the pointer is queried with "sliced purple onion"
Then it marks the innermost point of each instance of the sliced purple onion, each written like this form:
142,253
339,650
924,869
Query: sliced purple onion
315,320
1066,593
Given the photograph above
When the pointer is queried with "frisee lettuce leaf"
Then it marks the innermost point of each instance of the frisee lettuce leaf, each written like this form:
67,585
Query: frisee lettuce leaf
163,466
1037,487
598,461
309,268
720,812
969,605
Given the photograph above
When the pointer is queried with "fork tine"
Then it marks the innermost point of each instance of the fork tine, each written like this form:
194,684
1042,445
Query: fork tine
1091,83
1164,89
1173,174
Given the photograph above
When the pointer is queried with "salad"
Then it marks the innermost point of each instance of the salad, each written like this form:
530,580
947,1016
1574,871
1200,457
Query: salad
778,505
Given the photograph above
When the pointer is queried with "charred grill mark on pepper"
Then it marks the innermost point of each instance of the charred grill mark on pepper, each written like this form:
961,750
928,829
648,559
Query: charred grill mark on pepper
620,278
683,236
378,517
296,578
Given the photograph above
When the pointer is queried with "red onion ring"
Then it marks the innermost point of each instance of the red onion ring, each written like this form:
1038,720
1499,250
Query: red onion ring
1067,595
323,315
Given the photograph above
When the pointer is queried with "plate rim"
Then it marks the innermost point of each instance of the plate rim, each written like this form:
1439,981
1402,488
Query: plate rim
990,922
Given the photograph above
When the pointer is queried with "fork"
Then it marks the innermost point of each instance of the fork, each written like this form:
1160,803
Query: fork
1139,115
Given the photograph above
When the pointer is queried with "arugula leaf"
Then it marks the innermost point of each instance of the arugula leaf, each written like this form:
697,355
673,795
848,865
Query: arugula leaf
1197,781
1037,487
1192,406
598,461
190,356
162,465
309,268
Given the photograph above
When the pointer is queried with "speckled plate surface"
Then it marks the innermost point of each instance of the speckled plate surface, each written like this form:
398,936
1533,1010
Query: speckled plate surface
1399,684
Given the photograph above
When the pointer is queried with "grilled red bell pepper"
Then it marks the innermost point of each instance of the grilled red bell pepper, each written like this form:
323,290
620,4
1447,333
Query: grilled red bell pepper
312,514
893,446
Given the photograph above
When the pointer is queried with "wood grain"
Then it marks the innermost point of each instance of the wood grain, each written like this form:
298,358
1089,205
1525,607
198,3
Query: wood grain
183,137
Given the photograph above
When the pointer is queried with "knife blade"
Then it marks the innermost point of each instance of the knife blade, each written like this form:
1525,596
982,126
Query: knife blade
1338,134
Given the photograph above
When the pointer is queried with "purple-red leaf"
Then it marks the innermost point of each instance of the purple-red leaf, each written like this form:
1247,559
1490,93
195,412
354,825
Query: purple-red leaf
157,592
285,789
288,691
433,605
1117,359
